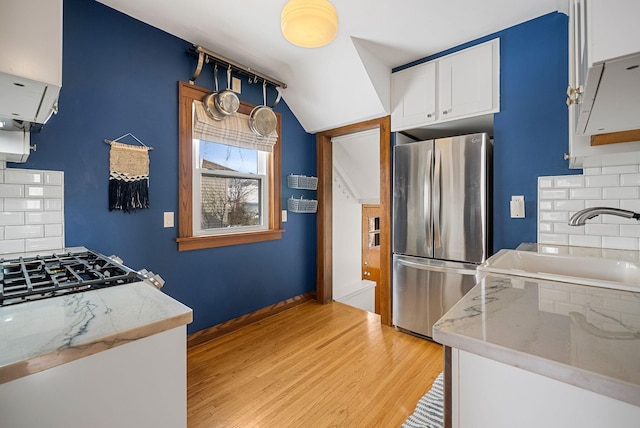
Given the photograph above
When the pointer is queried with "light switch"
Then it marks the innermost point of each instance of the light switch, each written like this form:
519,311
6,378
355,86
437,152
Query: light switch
517,206
168,219
284,216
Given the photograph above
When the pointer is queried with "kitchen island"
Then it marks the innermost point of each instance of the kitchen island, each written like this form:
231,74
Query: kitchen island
530,353
102,358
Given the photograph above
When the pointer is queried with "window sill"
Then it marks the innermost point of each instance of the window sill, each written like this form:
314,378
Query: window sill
200,242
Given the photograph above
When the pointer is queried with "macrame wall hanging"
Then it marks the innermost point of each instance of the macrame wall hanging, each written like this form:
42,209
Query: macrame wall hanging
128,175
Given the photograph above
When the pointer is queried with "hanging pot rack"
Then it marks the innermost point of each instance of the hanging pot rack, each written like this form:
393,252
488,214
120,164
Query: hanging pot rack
206,56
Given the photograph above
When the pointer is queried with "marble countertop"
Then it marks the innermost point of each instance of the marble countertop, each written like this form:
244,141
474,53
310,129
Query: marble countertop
581,335
41,334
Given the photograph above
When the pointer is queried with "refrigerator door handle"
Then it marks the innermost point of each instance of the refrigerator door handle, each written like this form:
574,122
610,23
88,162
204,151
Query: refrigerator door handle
437,183
427,201
436,268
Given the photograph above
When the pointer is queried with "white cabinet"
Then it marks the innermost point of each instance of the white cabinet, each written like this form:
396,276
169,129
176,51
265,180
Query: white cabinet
461,85
31,60
413,96
605,73
604,80
466,82
488,393
141,384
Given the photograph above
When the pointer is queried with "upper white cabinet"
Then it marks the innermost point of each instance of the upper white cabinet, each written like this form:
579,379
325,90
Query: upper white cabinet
604,80
461,85
413,96
605,74
31,60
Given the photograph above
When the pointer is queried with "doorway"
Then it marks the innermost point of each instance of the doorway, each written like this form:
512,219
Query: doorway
324,277
371,248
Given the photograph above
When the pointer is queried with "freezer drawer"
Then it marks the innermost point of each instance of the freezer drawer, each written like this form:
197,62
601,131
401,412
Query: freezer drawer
424,289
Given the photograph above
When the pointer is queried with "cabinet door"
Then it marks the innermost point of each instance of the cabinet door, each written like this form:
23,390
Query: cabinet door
466,82
413,97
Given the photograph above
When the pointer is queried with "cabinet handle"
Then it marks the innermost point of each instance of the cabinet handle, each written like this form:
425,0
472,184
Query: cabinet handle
430,115
446,111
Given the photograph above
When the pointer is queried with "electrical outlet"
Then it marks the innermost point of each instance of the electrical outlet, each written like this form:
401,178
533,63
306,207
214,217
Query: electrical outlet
168,219
236,85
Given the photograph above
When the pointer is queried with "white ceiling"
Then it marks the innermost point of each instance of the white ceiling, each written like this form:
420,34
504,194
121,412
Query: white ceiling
346,81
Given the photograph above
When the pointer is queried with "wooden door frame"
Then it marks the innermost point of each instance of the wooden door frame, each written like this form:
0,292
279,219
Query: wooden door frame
324,278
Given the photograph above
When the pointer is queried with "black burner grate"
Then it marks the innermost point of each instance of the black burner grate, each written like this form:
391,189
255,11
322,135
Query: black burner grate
40,277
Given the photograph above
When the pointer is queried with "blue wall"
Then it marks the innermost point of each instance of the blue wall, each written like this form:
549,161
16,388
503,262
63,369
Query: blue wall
119,76
531,130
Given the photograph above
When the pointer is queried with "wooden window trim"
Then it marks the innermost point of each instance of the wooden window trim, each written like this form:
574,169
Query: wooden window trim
187,93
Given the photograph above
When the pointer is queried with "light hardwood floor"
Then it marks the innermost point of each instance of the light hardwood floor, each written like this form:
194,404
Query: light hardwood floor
310,366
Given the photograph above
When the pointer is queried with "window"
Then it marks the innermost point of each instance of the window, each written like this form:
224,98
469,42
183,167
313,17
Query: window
229,180
230,186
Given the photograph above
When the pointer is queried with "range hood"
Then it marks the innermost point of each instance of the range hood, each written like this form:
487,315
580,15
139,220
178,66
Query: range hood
611,99
30,70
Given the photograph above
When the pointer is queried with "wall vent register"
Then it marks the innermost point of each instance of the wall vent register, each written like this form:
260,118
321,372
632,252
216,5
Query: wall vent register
25,279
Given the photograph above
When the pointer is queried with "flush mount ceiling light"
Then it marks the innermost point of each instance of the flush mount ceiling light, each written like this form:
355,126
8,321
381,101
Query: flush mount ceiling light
309,23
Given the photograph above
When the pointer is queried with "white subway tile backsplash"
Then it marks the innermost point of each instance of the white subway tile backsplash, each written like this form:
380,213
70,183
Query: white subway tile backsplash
53,204
553,194
592,171
44,191
22,176
602,229
602,203
12,218
630,230
43,244
545,205
624,169
569,181
545,182
31,210
559,197
52,230
53,178
554,216
630,204
567,205
585,241
12,246
11,191
602,181
589,193
545,227
620,243
550,238
24,204
22,232
630,180
564,228
620,193
46,217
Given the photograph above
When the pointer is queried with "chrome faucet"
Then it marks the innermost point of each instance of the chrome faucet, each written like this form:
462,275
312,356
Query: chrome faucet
579,218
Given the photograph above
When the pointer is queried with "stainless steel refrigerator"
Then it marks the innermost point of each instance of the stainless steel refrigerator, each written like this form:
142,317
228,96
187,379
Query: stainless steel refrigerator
441,232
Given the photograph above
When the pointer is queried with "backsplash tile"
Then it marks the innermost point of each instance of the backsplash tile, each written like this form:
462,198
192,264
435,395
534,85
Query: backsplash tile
31,210
559,197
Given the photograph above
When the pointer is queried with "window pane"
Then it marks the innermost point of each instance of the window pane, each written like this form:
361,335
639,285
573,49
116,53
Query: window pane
222,157
230,202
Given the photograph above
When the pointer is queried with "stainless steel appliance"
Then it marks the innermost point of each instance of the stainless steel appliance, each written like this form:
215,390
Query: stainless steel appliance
23,279
441,219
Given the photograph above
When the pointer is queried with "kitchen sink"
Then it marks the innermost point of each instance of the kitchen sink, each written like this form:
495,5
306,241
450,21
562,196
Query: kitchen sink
594,271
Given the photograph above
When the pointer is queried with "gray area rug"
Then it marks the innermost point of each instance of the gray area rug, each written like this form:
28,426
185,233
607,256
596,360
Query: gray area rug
429,412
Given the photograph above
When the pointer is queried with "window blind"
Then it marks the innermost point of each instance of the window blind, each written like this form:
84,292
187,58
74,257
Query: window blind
234,130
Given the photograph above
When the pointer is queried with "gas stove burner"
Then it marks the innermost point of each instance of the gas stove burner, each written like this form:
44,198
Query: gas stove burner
41,277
